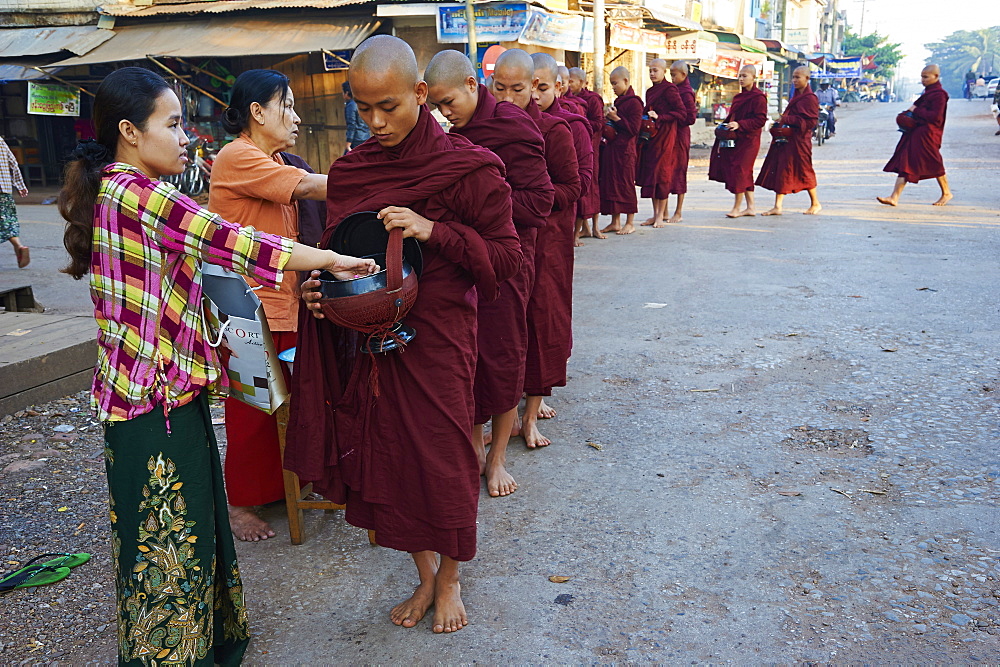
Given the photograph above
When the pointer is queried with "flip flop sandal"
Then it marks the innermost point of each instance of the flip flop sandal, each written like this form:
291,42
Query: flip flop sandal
36,575
23,256
60,560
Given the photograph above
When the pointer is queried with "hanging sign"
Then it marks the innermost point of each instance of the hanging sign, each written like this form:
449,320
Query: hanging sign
572,33
501,22
722,65
688,46
45,99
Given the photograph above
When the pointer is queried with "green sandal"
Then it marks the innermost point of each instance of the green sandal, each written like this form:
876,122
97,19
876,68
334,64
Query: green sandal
49,572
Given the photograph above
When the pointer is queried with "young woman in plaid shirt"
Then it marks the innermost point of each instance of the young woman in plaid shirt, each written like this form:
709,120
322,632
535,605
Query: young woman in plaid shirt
180,597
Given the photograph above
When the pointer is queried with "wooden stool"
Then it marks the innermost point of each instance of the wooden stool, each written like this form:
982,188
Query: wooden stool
295,493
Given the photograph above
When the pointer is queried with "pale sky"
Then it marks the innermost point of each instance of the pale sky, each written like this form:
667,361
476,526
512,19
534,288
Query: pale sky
916,22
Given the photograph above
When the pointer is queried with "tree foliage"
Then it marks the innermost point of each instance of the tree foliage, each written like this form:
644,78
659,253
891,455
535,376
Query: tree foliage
965,50
887,54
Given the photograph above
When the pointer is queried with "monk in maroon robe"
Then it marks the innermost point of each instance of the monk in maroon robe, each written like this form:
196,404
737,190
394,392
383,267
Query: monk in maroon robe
508,131
682,142
788,165
590,207
918,153
618,157
547,72
550,308
390,434
575,104
656,156
734,166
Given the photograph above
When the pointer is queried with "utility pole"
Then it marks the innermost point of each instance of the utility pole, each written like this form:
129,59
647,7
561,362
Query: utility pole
599,47
470,24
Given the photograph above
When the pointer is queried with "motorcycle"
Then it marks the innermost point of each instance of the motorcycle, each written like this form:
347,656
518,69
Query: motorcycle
822,131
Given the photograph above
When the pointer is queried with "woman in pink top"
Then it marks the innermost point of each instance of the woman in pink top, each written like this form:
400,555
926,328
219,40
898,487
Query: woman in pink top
253,186
180,596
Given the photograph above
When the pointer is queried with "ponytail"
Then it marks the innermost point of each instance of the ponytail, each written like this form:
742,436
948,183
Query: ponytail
129,94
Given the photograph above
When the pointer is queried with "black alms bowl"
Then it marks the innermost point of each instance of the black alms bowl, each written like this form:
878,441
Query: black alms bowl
331,288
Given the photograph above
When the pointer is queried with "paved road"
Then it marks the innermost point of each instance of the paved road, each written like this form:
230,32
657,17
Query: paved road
733,374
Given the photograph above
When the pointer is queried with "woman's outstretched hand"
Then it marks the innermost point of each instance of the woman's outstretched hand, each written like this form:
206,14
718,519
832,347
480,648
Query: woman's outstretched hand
346,267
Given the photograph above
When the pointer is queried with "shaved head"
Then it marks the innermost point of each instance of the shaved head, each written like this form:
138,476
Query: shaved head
384,55
562,81
514,78
577,79
452,86
679,72
449,68
800,78
930,75
933,69
748,77
619,80
547,64
752,70
387,88
657,70
803,70
658,62
546,73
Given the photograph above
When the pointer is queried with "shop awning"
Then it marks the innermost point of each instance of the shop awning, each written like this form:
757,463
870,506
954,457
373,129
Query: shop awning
218,6
670,18
23,71
21,42
228,37
746,43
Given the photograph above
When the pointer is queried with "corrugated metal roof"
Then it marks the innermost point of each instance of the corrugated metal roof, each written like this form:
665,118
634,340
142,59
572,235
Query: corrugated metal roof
23,72
220,6
20,42
229,37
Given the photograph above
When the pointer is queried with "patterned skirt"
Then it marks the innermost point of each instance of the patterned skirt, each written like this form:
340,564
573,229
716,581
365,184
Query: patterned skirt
9,227
180,596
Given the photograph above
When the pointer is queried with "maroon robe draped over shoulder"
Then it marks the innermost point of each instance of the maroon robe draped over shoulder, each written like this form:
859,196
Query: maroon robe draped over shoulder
656,156
583,142
734,166
788,166
403,461
918,153
682,141
618,158
550,308
590,202
509,131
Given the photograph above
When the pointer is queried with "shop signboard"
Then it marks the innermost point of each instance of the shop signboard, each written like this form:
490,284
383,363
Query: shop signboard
688,46
46,99
797,37
636,39
844,68
500,22
725,65
572,33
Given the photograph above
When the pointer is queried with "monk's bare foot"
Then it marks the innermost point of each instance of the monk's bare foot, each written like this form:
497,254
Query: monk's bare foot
629,228
944,200
675,218
747,213
813,210
449,612
888,201
659,224
545,412
533,437
600,235
578,243
649,221
499,482
614,227
773,211
247,526
409,612
734,213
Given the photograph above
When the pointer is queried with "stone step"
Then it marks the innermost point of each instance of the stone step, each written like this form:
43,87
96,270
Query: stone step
44,357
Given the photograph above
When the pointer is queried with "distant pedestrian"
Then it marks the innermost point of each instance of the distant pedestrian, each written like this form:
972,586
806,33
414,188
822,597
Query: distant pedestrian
180,594
996,109
10,180
357,131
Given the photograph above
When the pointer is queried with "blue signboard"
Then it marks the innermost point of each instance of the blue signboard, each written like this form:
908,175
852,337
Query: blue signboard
500,22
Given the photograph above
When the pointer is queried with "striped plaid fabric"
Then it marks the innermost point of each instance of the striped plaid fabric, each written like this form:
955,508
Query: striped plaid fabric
145,277
10,174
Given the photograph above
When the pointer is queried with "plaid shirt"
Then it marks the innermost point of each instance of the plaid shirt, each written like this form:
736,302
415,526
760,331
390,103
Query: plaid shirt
10,174
145,280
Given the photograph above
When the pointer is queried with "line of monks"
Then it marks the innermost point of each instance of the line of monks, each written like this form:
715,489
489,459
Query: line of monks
498,203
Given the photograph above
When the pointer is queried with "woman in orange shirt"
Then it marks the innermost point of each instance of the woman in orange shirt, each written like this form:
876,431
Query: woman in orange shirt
252,185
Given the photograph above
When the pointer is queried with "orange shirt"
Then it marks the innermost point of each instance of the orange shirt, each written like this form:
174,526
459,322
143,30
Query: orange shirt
255,190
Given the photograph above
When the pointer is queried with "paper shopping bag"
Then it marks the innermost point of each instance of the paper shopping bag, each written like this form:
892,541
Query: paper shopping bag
253,368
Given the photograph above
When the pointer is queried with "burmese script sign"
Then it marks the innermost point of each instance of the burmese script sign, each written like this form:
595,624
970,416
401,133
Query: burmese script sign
47,99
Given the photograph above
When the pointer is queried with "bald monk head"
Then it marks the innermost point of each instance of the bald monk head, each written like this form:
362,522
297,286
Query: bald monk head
452,86
800,78
657,70
577,80
387,88
562,81
930,75
748,77
620,80
514,78
679,72
546,72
